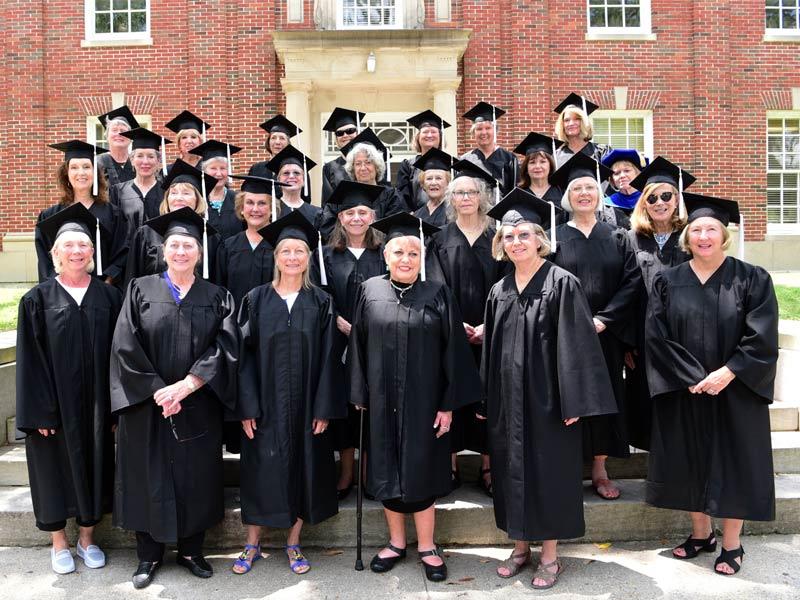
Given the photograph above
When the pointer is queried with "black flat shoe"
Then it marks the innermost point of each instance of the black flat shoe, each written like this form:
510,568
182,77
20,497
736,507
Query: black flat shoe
197,565
342,494
433,573
144,574
382,565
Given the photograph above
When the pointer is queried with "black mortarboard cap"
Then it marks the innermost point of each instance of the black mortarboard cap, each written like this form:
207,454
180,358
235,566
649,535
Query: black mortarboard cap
290,155
427,117
698,205
257,185
579,165
282,124
367,136
521,206
76,217
468,168
183,221
349,194
538,142
663,171
78,149
187,120
144,138
214,149
435,159
341,117
401,224
577,101
483,111
122,112
291,226
183,172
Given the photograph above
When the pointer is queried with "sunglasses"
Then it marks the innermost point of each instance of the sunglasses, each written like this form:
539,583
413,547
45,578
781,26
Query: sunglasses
348,131
663,196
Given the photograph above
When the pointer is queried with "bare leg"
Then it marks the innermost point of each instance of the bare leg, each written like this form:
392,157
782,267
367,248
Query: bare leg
701,530
60,541
346,461
731,530
293,539
397,532
424,521
609,491
485,466
85,536
549,555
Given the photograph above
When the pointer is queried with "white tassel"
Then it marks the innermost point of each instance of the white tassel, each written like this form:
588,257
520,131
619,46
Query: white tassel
741,236
230,163
323,277
98,249
496,194
681,203
358,122
494,125
553,142
205,248
388,166
204,132
583,101
442,143
552,227
599,190
422,251
305,176
203,184
95,182
163,157
274,204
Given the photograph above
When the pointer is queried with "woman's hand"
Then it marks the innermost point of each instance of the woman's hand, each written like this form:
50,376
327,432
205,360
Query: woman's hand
469,330
443,420
357,407
714,382
169,398
319,426
477,335
46,432
343,325
249,426
629,362
571,421
599,326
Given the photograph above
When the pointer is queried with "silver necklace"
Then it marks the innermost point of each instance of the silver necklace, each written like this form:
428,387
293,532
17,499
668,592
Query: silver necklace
401,291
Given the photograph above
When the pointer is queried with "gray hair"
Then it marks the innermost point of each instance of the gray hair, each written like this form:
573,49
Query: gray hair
565,197
484,206
205,163
58,266
120,120
373,155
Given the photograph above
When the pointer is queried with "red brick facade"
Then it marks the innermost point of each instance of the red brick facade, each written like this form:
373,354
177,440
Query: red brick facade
709,79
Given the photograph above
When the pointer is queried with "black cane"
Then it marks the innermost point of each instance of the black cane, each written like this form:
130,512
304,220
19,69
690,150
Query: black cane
359,491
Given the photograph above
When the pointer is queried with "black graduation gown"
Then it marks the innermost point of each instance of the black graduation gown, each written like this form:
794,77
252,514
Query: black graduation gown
438,218
387,203
469,271
554,195
136,207
240,267
606,266
542,364
260,169
638,408
225,220
408,359
309,211
146,255
62,383
712,454
285,381
502,164
332,173
171,489
345,275
115,172
408,186
114,249
591,149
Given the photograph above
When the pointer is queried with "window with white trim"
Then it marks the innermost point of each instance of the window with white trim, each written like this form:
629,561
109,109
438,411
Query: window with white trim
618,16
783,170
117,19
96,133
369,14
782,16
624,129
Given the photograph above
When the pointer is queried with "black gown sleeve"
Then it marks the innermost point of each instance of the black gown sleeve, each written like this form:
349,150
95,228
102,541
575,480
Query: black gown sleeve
462,381
327,221
44,264
357,353
327,403
618,313
249,392
220,269
488,333
114,265
327,187
405,185
137,256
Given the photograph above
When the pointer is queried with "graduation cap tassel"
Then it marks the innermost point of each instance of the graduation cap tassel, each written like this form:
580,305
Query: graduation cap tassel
230,163
204,133
274,205
205,248
552,227
95,182
323,277
98,251
203,184
422,251
388,166
741,236
305,176
583,102
494,124
599,189
163,157
442,144
553,143
358,122
681,204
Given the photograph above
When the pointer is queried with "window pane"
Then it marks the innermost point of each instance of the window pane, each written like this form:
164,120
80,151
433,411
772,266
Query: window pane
120,22
120,4
102,23
789,19
139,21
632,17
773,19
591,2
102,4
138,4
597,17
614,2
614,17
772,2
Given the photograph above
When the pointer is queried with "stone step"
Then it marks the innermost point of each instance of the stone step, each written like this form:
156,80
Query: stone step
465,517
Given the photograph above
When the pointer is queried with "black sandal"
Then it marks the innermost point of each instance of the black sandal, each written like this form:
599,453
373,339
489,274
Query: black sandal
693,546
729,558
382,565
434,573
486,487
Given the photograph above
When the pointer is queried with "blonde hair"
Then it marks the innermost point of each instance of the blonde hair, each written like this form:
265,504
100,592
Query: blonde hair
200,207
58,266
183,133
499,250
640,219
415,142
565,204
683,240
276,273
587,131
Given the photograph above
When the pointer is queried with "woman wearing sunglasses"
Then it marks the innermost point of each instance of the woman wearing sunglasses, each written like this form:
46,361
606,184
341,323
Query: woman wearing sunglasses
344,124
656,223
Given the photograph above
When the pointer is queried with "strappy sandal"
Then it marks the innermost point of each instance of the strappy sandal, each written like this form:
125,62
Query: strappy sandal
245,561
693,546
380,564
729,558
486,487
549,578
297,562
512,565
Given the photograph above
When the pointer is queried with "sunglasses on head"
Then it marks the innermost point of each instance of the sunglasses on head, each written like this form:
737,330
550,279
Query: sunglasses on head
663,196
348,131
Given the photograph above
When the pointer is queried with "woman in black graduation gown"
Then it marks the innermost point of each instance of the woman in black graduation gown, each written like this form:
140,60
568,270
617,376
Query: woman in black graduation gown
80,182
430,131
280,131
183,188
291,168
656,223
286,398
345,125
190,132
574,128
63,344
410,367
537,166
221,212
351,256
434,174
712,350
173,370
542,370
601,257
116,164
498,161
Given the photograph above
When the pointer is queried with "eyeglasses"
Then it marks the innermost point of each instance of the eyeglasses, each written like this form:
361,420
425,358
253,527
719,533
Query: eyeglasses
465,194
348,131
663,196
522,236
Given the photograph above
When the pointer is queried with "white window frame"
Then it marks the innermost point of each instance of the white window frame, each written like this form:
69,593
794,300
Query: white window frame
778,228
645,115
399,14
93,126
778,34
642,32
92,38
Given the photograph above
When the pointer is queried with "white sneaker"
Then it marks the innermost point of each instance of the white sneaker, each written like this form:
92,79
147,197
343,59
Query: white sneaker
62,561
93,557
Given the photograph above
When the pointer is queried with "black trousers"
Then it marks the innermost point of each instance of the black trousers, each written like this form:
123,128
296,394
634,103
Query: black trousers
59,525
147,549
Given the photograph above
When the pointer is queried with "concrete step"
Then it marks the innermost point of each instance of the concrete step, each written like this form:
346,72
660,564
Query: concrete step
464,517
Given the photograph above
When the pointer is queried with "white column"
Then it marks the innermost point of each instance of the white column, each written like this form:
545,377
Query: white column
298,111
444,105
